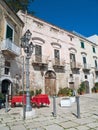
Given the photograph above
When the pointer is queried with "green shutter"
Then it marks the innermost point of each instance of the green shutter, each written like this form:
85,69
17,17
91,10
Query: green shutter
96,63
9,33
93,49
82,44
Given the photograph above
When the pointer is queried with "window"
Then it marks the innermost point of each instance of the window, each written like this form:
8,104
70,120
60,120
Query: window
84,60
7,70
71,37
71,75
72,57
94,49
82,45
96,63
72,60
56,56
38,53
7,67
85,76
9,33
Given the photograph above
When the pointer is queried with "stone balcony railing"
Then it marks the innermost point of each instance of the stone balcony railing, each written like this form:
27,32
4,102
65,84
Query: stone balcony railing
96,68
10,47
39,59
75,65
58,62
86,66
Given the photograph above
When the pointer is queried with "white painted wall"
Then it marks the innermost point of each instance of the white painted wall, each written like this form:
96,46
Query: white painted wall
63,39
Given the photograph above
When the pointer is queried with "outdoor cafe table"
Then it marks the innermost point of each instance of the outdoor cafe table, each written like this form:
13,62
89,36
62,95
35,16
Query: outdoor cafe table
40,99
18,99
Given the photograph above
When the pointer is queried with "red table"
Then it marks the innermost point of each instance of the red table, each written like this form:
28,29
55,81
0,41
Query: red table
40,99
18,99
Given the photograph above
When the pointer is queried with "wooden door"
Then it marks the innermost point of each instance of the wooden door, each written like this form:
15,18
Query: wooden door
50,83
87,86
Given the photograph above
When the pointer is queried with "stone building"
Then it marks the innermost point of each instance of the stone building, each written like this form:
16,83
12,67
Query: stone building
10,34
60,58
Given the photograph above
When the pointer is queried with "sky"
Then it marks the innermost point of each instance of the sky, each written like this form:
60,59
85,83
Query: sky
72,15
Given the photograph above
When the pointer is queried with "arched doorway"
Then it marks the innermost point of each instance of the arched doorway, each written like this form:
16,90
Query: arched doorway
86,83
50,83
6,87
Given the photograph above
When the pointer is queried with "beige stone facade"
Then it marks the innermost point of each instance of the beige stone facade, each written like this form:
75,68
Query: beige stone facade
10,34
60,58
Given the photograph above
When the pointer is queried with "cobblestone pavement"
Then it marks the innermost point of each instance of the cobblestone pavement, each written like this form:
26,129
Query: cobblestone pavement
65,119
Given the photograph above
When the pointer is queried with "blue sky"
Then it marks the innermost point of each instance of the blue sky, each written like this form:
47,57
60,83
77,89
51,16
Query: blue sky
78,15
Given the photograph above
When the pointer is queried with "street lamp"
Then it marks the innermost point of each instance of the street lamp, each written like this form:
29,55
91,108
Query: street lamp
28,49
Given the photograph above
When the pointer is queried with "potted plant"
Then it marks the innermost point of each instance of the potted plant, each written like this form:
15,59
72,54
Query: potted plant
65,92
96,87
93,89
61,92
82,89
1,100
69,96
38,91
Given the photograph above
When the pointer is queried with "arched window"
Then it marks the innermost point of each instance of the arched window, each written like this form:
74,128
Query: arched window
38,42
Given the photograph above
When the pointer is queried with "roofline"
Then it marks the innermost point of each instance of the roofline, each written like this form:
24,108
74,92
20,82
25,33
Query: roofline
60,28
14,12
84,38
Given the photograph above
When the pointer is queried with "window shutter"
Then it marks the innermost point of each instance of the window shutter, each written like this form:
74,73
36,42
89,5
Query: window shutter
9,33
82,44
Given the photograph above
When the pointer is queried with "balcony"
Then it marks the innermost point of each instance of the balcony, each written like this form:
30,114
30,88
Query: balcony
96,69
58,62
39,60
86,67
75,65
9,48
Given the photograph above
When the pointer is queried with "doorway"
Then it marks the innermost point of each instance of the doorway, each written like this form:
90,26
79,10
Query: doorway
6,87
50,83
86,83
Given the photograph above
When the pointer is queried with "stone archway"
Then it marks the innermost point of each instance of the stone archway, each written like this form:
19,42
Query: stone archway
50,83
6,87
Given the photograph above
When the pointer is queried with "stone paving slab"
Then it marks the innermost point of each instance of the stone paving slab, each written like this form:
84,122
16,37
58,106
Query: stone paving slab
68,124
93,125
18,127
84,121
54,127
72,129
83,128
38,129
4,128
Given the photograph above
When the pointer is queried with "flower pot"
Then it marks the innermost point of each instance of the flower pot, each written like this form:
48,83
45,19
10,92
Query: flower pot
72,99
